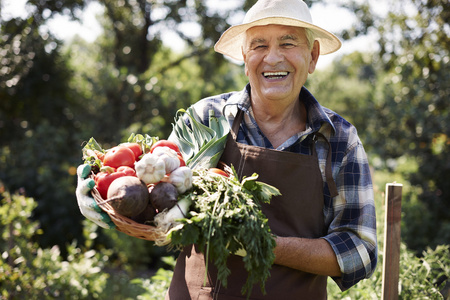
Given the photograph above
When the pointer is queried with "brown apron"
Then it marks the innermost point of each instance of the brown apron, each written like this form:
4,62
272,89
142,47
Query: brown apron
298,212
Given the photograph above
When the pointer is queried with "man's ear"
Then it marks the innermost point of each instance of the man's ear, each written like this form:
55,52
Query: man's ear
245,61
315,52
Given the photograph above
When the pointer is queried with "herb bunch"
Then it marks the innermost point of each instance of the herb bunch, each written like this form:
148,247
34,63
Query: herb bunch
226,217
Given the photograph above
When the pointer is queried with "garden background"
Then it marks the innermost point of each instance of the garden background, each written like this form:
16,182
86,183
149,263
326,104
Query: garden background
153,57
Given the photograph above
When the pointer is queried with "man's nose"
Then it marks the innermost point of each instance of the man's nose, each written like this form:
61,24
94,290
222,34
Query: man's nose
274,55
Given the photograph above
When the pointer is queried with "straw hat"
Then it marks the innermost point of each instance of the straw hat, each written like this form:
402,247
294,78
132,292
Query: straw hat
280,12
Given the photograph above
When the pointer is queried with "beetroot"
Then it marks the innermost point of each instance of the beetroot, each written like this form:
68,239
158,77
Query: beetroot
128,195
146,216
163,195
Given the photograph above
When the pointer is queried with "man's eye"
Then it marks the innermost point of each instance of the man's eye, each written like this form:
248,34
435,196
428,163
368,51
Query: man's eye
259,47
288,45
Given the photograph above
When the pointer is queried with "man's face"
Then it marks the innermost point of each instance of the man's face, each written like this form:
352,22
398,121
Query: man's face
277,61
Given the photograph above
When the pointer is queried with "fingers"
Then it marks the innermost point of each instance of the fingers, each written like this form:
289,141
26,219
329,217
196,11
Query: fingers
83,171
85,185
101,219
107,221
89,208
87,205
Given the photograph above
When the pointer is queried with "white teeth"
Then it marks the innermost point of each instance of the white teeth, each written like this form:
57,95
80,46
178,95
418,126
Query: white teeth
267,74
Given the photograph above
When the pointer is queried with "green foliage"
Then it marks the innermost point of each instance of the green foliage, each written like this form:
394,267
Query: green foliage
31,272
28,271
156,287
419,278
426,276
432,269
134,255
225,217
398,100
37,126
347,87
54,97
412,105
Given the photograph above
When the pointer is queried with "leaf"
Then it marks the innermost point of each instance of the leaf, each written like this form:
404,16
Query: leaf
209,154
92,145
266,192
226,216
146,141
200,145
259,189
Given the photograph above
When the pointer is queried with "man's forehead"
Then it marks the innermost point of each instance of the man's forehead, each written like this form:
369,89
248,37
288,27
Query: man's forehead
282,32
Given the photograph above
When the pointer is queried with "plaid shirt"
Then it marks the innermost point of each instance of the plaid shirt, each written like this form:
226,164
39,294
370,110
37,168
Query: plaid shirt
350,216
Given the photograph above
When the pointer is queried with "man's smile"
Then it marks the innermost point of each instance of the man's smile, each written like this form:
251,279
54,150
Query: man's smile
275,75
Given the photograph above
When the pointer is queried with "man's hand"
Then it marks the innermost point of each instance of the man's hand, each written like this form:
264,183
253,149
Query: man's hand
88,206
309,255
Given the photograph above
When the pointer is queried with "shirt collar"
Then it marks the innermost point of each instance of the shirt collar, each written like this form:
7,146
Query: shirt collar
316,113
317,116
239,100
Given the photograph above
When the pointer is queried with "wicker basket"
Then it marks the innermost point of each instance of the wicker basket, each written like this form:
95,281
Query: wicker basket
124,224
132,228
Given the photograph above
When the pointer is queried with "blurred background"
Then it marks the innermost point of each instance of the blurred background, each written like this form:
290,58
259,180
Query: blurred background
75,69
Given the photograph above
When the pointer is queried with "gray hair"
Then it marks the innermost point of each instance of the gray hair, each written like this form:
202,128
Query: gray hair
310,37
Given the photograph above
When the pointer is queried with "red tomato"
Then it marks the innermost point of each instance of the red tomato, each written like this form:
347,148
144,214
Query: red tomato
128,171
104,179
119,156
165,143
218,171
182,162
136,148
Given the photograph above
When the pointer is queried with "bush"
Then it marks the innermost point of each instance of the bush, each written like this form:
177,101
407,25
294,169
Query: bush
420,278
30,272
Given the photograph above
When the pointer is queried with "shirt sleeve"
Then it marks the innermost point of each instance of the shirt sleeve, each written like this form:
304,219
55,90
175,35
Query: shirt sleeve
201,111
352,231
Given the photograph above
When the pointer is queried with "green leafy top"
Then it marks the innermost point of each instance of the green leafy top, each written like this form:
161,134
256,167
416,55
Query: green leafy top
201,146
92,149
229,211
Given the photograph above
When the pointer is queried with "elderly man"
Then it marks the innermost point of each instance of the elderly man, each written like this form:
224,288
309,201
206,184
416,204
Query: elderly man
325,219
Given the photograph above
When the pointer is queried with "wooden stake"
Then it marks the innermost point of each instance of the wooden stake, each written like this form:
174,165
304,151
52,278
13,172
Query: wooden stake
392,239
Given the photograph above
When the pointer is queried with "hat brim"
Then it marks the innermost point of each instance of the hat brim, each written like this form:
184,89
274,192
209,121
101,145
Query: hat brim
231,41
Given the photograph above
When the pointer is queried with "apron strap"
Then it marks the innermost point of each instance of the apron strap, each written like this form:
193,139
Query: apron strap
328,173
236,123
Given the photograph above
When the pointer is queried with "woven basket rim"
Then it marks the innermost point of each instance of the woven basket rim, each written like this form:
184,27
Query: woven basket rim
125,224
130,227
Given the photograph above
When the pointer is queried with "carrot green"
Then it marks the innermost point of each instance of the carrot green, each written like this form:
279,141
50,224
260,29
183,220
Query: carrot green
225,217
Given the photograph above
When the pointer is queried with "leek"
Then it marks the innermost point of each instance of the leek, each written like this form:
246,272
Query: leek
201,145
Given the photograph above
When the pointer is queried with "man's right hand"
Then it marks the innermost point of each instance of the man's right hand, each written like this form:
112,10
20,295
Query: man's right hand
86,203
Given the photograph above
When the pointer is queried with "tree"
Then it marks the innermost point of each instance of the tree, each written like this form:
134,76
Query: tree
128,80
51,103
412,106
37,125
397,98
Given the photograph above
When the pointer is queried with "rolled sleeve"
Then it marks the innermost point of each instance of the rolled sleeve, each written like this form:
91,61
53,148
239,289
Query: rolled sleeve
357,258
352,232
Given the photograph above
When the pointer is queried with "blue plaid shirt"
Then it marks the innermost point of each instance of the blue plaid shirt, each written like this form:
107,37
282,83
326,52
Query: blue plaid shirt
350,216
